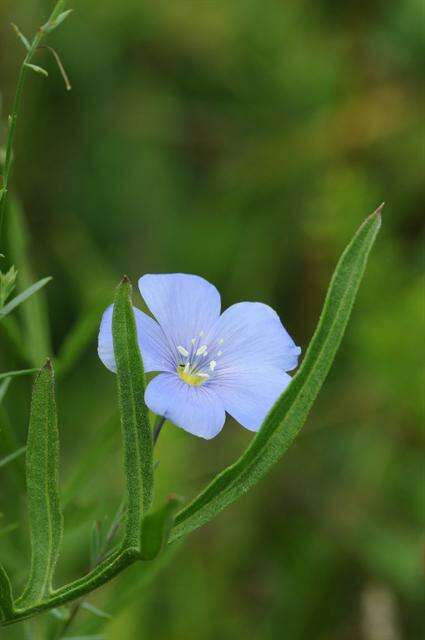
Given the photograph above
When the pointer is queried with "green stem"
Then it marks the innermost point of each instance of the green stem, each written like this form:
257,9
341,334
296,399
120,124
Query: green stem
16,107
103,573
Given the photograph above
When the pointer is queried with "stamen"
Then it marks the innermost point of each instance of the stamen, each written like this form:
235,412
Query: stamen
219,353
183,351
221,341
201,350
201,333
203,375
213,365
193,341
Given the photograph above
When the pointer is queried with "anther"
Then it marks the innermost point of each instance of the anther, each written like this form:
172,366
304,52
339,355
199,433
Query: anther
202,350
213,365
183,351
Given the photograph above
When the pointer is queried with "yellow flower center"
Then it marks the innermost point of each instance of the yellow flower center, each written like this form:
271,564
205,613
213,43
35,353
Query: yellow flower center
194,379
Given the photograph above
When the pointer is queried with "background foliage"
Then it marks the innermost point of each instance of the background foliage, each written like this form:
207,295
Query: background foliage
244,141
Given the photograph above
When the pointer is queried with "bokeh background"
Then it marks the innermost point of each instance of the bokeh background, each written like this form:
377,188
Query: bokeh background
243,140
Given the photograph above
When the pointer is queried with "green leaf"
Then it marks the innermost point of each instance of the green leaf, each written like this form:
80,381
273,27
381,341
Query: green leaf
21,37
55,22
156,528
12,456
137,435
3,388
291,410
35,338
6,598
95,611
17,374
10,306
7,284
44,512
36,68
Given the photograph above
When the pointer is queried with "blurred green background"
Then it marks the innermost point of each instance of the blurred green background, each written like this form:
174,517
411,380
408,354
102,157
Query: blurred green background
244,141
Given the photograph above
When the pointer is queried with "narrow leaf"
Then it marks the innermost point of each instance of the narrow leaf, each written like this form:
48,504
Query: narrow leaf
34,340
95,611
21,36
23,296
36,68
17,374
291,410
137,435
6,598
45,517
12,456
54,23
156,528
3,388
7,284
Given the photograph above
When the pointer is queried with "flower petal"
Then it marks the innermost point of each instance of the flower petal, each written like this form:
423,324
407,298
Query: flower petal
249,397
197,410
184,305
152,342
250,335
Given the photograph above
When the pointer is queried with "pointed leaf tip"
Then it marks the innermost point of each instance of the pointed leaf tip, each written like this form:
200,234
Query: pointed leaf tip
379,209
48,365
125,280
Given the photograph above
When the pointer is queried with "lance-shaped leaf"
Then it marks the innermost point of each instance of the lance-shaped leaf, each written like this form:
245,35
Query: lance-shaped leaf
291,410
16,374
156,528
136,430
12,456
22,297
44,512
6,598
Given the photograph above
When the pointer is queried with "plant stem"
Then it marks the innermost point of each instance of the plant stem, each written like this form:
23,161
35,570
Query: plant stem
16,107
158,427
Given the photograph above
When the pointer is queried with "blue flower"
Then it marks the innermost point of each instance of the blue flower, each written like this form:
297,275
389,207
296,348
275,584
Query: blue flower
208,363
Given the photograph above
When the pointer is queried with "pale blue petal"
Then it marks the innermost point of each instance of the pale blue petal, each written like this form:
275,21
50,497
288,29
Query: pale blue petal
197,410
250,336
154,347
184,305
249,397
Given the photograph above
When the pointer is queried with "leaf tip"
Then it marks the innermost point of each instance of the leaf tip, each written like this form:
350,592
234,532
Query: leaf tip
48,366
378,211
125,280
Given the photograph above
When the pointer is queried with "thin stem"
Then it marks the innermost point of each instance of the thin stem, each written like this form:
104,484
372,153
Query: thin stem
16,107
158,427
